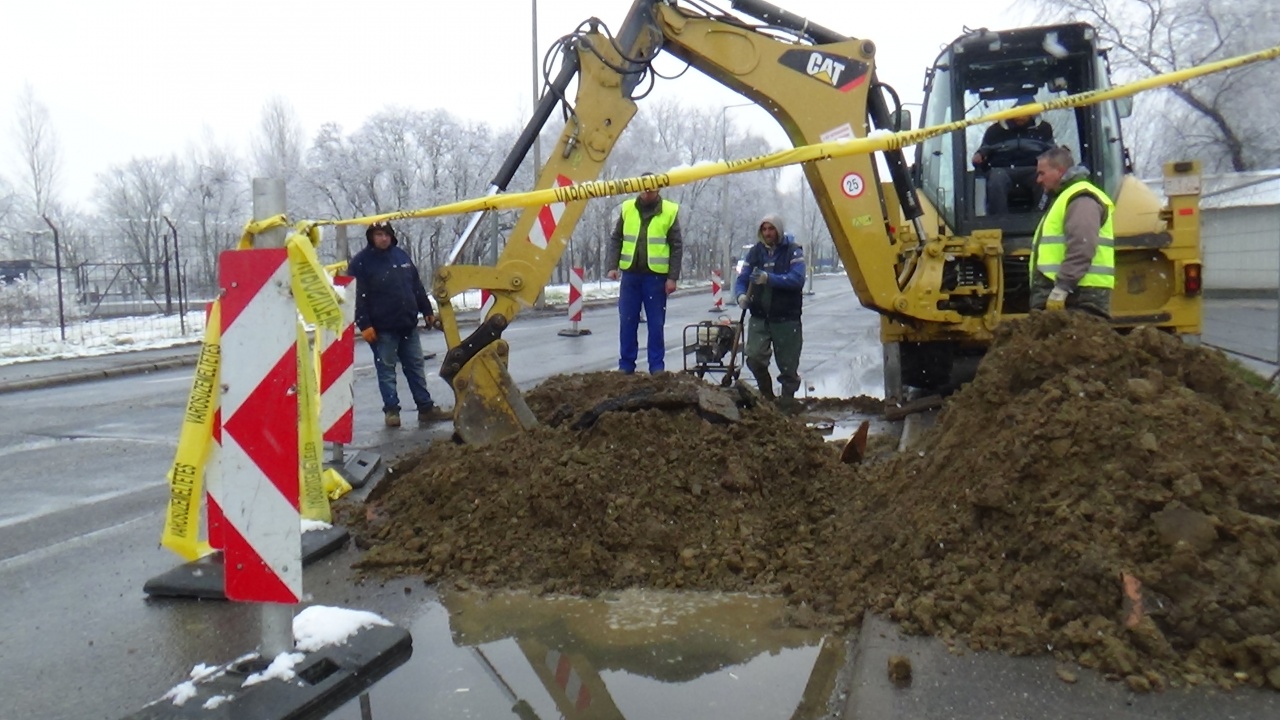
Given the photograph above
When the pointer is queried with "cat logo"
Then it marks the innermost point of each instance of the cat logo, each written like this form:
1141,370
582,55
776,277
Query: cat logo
842,73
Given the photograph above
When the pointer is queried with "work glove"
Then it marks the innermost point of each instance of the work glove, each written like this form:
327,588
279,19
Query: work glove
369,334
429,322
743,301
1057,300
759,277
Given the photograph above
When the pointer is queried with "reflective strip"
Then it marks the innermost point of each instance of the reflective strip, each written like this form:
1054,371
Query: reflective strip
1093,269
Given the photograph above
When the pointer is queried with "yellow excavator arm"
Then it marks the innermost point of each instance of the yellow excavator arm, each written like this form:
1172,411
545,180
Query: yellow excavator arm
818,85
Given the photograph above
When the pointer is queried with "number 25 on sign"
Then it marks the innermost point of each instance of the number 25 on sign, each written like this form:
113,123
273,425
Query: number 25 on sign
853,185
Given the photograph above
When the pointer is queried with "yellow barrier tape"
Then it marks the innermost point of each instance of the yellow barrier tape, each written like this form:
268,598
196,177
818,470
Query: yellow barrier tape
336,268
312,501
186,476
257,227
805,153
335,486
313,291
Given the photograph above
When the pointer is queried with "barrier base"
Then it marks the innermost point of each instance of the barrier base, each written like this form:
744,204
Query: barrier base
326,680
574,332
204,579
360,466
716,309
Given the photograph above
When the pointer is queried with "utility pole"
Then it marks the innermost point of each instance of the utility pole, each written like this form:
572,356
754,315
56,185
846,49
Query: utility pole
730,274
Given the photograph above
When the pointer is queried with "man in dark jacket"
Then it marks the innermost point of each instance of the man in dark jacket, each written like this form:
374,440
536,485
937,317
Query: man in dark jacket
389,298
1008,156
771,285
646,249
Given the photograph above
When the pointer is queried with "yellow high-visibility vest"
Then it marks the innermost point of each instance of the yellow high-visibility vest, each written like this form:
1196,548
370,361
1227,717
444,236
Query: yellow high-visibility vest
1049,247
659,252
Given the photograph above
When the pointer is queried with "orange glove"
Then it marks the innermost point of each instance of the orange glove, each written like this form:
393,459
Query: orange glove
369,334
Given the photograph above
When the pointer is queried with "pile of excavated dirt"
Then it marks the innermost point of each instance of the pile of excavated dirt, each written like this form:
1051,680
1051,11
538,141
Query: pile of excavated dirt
1110,500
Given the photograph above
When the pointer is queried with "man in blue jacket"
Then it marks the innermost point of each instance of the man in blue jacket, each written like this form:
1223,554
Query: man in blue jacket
771,285
389,298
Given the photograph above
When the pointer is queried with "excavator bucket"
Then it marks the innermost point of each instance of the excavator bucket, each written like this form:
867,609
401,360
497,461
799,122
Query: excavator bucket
488,405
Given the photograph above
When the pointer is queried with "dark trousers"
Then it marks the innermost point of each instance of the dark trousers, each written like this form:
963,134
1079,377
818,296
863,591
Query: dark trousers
1093,300
405,346
781,338
649,291
1002,180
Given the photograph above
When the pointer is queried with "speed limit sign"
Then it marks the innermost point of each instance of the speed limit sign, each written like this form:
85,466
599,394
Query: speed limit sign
852,185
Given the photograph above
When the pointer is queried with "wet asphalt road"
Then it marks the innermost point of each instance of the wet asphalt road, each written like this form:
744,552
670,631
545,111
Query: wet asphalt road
81,470
81,474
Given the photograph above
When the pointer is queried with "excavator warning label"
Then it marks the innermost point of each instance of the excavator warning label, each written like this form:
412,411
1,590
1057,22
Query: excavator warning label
842,73
852,185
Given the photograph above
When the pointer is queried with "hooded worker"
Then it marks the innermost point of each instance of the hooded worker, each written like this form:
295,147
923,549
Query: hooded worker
389,298
1008,157
770,285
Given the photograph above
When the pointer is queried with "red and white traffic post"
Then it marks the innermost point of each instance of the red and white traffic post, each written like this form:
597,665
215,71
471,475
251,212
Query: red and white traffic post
575,305
337,377
259,461
717,291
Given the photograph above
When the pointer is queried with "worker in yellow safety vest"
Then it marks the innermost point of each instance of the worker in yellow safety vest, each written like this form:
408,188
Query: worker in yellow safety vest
1073,255
645,254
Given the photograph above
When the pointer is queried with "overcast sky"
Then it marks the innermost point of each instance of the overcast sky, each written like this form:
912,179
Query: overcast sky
128,78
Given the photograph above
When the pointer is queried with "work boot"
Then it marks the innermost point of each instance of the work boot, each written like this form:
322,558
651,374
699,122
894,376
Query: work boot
392,418
432,414
766,391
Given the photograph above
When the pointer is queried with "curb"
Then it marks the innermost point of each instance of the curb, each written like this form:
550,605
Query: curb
87,375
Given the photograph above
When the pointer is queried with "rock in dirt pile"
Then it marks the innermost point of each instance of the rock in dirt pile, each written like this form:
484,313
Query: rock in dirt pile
1112,500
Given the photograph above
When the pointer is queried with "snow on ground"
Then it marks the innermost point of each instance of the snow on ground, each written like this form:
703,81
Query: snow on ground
85,338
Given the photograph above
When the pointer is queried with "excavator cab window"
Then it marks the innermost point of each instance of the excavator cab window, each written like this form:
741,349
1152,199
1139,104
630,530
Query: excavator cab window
985,72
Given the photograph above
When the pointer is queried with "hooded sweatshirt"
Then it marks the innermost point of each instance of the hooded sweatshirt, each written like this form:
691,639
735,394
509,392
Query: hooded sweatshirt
389,292
781,297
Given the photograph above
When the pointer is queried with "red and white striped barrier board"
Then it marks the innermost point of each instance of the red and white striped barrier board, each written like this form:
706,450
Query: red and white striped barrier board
259,464
575,294
575,692
486,304
717,291
575,305
337,374
548,218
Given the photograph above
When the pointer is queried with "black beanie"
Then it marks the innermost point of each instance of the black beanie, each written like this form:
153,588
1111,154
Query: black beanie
384,226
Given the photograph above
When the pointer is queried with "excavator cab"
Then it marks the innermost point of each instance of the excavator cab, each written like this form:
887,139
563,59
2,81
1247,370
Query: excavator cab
983,72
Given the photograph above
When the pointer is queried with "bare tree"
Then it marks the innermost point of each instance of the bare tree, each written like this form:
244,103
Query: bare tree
134,198
1217,118
37,145
277,149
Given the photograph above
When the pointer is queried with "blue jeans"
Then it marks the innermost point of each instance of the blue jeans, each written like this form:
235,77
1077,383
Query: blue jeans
405,346
635,290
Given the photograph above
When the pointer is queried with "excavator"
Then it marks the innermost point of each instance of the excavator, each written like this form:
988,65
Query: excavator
918,247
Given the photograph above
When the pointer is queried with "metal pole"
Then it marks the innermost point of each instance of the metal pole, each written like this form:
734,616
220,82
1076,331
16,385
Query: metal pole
729,275
177,266
537,139
168,281
277,618
57,270
340,238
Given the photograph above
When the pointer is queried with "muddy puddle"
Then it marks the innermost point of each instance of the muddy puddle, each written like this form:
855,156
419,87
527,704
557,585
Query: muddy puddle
631,654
